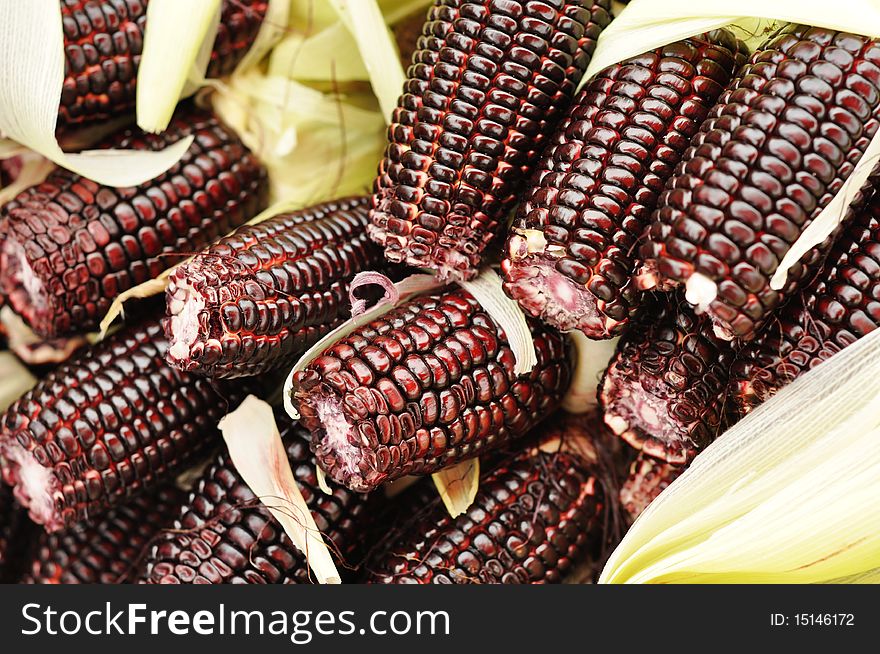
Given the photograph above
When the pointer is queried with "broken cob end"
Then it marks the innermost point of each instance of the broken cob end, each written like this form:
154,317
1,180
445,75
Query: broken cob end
635,412
35,485
551,296
183,326
24,289
334,442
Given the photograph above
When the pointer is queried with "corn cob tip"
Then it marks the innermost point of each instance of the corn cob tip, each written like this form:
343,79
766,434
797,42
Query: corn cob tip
663,391
23,288
639,417
36,487
554,297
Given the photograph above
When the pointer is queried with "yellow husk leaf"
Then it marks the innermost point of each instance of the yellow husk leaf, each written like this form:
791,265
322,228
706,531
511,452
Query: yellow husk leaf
458,485
15,380
788,495
648,24
257,452
31,75
365,22
178,38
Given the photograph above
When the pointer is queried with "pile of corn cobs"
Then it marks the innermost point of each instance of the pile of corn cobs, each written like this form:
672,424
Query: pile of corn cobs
679,177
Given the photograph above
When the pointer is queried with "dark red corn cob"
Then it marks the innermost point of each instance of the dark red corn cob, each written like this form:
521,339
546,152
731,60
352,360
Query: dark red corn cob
839,307
114,422
648,477
69,246
259,298
776,148
489,81
108,551
15,534
570,258
103,40
534,519
663,390
428,384
225,535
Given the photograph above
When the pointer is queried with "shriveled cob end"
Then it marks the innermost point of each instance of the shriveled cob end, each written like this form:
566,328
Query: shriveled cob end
69,246
426,385
224,534
777,147
570,257
112,423
103,42
648,477
536,516
841,305
108,551
488,83
260,297
663,392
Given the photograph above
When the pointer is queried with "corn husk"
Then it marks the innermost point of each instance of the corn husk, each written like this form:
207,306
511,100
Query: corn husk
458,485
592,358
257,452
788,495
178,39
647,24
31,76
364,21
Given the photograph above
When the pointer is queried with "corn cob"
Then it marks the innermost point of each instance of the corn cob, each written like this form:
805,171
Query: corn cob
103,40
259,298
488,83
225,535
779,144
534,518
69,245
428,384
109,551
840,306
570,258
15,533
663,390
111,424
648,477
